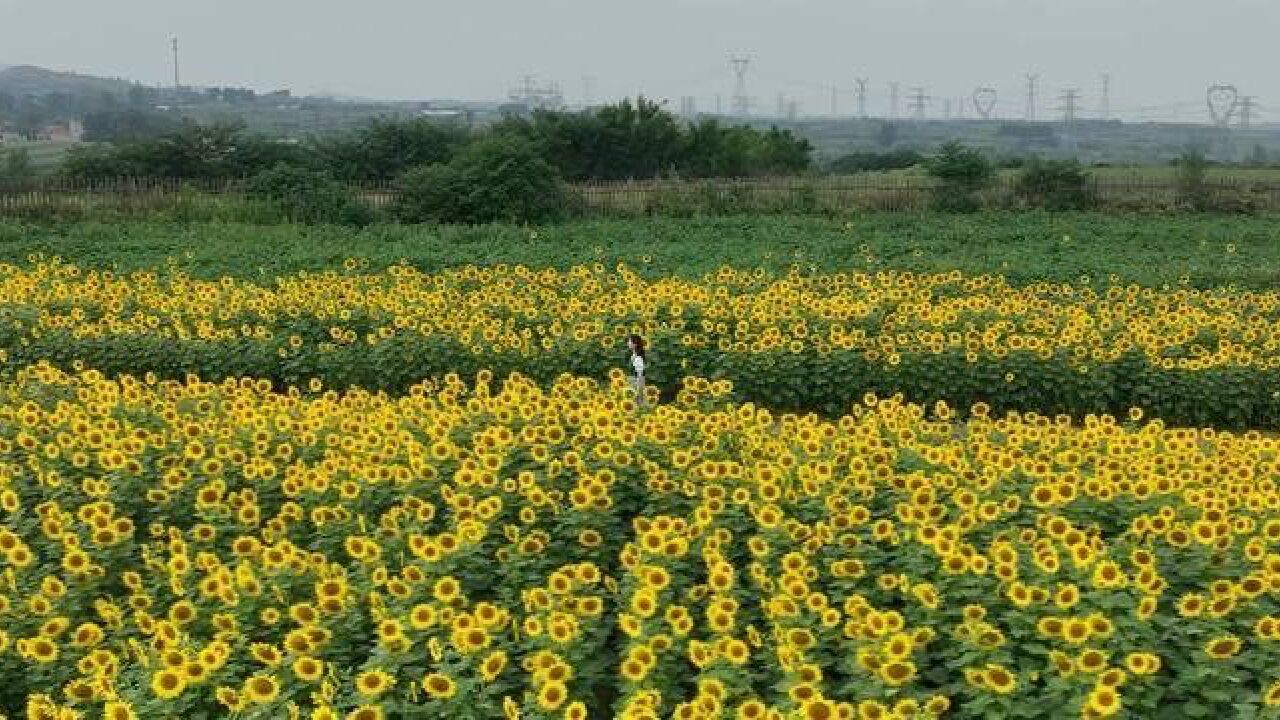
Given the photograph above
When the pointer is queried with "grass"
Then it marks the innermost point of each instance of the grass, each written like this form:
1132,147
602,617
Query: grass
45,155
1025,247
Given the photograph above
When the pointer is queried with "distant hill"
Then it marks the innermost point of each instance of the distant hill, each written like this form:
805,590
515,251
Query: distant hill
29,80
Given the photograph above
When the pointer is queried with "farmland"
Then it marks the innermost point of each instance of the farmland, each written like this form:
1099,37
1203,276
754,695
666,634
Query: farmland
889,466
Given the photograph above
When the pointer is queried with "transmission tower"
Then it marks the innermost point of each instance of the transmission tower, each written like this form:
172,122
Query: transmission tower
862,97
918,103
176,80
741,102
893,100
1106,96
1069,99
1248,104
1031,96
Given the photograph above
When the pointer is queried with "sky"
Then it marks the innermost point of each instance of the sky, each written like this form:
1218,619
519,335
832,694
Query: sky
1161,54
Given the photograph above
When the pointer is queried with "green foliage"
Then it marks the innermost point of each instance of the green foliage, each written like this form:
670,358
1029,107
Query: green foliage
129,125
194,152
1198,251
961,173
642,140
1193,189
386,148
16,165
307,196
1055,185
874,162
499,178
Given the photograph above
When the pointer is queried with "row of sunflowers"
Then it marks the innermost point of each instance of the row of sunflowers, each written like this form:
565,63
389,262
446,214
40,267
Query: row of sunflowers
799,341
499,548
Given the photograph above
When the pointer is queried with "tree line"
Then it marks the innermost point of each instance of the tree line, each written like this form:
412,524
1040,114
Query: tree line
627,140
516,169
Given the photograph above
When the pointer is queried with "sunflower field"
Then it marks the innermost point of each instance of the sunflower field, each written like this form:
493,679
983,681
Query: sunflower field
374,495
497,547
799,340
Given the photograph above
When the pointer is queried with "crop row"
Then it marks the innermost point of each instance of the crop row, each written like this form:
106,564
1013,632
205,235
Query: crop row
503,549
798,341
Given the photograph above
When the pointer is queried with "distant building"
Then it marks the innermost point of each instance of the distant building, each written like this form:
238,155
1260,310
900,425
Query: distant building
446,113
62,131
531,95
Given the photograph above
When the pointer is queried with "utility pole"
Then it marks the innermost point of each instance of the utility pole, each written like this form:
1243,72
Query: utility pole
862,97
1106,96
1031,97
177,83
893,101
741,102
1069,98
918,102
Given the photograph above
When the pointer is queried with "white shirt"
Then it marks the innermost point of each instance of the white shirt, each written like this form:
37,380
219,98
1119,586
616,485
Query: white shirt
637,362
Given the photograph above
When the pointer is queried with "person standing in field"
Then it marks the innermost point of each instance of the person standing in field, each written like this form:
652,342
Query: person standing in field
635,344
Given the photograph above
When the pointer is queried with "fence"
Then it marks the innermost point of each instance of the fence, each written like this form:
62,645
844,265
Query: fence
833,194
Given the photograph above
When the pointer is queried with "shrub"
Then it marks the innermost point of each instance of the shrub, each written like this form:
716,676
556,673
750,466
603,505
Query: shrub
961,173
307,196
1055,185
499,178
875,162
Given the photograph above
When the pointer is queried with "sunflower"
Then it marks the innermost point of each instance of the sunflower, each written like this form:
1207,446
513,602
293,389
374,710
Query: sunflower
307,669
372,683
261,689
552,695
439,686
1103,701
1222,647
167,684
365,712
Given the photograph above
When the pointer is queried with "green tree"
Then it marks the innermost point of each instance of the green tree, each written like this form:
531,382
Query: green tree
387,147
1055,185
497,178
17,165
961,172
307,196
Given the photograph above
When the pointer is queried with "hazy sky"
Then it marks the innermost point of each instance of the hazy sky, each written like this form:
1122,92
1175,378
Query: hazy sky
1161,53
